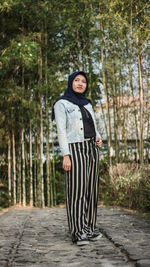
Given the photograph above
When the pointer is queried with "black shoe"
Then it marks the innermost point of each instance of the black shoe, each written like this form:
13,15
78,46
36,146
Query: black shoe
92,236
81,241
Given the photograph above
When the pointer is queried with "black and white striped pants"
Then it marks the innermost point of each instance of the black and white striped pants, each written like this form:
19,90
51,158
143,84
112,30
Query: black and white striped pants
82,187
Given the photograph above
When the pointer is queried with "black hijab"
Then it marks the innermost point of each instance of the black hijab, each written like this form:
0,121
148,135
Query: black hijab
70,95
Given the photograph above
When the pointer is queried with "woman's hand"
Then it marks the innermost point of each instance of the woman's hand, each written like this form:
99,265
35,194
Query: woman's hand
99,141
66,163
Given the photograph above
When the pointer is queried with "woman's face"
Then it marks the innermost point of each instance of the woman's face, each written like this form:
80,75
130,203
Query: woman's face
79,84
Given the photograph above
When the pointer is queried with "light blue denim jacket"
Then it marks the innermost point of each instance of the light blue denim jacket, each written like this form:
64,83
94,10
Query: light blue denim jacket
69,124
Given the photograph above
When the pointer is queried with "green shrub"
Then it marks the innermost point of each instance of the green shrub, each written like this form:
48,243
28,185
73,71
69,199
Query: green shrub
59,181
4,196
130,186
60,187
105,187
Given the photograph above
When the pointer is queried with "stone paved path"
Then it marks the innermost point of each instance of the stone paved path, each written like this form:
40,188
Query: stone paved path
40,238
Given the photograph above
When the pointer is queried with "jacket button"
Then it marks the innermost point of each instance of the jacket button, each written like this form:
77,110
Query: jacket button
80,118
81,128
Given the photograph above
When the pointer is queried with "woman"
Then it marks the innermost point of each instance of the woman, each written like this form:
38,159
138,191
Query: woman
79,141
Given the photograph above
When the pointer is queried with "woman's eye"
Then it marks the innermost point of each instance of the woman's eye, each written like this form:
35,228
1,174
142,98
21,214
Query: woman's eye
81,81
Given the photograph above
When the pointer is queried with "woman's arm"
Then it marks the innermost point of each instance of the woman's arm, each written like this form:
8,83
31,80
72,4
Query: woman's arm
93,116
60,118
98,138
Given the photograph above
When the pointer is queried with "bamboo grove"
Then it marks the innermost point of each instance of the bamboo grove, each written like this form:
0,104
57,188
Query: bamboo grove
41,43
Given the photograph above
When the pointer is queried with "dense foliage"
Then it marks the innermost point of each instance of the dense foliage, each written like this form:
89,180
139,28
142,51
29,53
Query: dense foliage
42,42
126,185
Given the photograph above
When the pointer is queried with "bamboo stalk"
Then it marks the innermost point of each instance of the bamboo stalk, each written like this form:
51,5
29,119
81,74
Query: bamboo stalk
14,167
9,167
23,169
30,168
19,174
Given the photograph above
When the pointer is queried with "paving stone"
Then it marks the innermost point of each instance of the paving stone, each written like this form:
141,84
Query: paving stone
40,238
143,263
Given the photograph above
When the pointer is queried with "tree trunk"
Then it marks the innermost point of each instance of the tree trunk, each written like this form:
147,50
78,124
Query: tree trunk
23,169
14,167
47,123
107,113
41,126
19,174
115,113
30,168
35,169
9,167
141,106
54,176
135,115
41,156
79,55
27,168
51,186
47,159
103,62
147,111
141,95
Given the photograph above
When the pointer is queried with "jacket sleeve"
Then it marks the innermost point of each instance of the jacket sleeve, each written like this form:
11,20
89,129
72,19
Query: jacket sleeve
60,118
97,133
93,115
